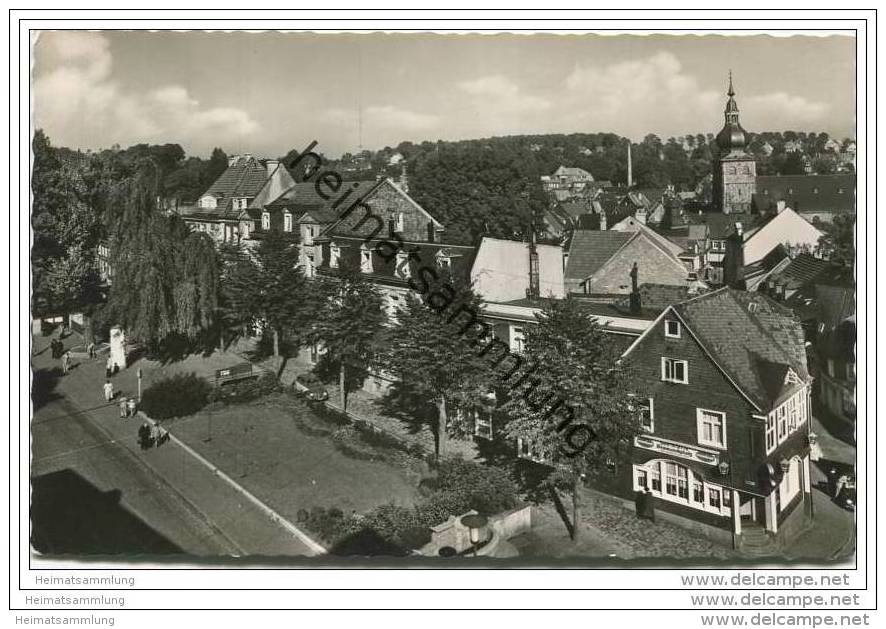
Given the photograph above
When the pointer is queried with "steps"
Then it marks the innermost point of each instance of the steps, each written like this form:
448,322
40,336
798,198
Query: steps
756,541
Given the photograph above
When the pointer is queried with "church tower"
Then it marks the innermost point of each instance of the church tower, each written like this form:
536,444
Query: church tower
735,170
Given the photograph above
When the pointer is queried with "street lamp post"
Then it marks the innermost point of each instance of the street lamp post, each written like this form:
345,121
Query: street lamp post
474,523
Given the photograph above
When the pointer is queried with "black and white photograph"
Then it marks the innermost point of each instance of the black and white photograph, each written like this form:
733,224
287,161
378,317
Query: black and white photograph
526,297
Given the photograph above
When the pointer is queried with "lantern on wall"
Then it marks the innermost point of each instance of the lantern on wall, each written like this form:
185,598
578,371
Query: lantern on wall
724,468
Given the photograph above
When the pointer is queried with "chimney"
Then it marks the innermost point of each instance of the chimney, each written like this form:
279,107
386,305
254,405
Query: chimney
780,206
534,281
271,165
739,229
630,175
404,179
603,226
232,159
430,232
636,306
640,215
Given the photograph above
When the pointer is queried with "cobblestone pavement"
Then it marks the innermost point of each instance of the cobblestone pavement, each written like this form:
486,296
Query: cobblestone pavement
611,531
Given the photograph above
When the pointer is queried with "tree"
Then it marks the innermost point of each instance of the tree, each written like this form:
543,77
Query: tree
429,353
350,324
269,289
793,164
592,425
165,276
67,229
838,240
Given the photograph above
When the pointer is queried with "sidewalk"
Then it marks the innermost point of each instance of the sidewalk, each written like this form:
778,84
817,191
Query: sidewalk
250,530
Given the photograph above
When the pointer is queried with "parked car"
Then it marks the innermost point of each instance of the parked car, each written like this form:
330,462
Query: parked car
309,385
846,497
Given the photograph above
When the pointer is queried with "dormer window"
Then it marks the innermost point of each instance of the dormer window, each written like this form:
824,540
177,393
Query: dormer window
672,329
266,221
287,222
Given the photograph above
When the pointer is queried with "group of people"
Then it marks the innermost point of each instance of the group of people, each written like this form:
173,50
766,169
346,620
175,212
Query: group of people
151,435
127,407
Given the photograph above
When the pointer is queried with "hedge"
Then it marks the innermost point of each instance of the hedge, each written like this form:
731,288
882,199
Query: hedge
176,396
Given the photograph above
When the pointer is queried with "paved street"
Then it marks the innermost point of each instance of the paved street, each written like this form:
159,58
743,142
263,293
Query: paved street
166,501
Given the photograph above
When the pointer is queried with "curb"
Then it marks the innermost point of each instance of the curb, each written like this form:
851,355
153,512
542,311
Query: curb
303,537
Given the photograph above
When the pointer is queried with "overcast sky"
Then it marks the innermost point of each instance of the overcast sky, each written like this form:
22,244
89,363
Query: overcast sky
266,93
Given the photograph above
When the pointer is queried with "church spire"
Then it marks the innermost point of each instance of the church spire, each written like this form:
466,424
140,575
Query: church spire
731,91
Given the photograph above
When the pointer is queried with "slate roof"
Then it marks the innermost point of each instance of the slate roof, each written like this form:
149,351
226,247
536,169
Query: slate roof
806,193
590,250
244,178
657,297
303,196
751,347
802,270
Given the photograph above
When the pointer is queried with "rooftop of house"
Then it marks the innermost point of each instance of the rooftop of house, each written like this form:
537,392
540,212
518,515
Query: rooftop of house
657,297
751,337
304,196
572,171
806,193
590,250
244,178
802,270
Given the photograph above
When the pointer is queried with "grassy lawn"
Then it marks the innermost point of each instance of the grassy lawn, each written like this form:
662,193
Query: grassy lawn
260,446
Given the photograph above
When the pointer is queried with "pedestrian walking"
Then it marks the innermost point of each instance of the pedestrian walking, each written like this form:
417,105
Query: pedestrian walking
163,435
144,436
130,407
66,362
108,367
123,408
109,391
90,350
56,346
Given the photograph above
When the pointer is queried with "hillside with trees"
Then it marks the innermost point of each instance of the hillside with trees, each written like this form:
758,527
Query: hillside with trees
491,186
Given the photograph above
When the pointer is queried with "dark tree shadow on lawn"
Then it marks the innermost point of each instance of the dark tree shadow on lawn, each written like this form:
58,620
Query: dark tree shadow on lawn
176,347
413,410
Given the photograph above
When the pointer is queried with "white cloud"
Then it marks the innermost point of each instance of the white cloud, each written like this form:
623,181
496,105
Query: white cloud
503,94
391,116
78,104
655,94
782,110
